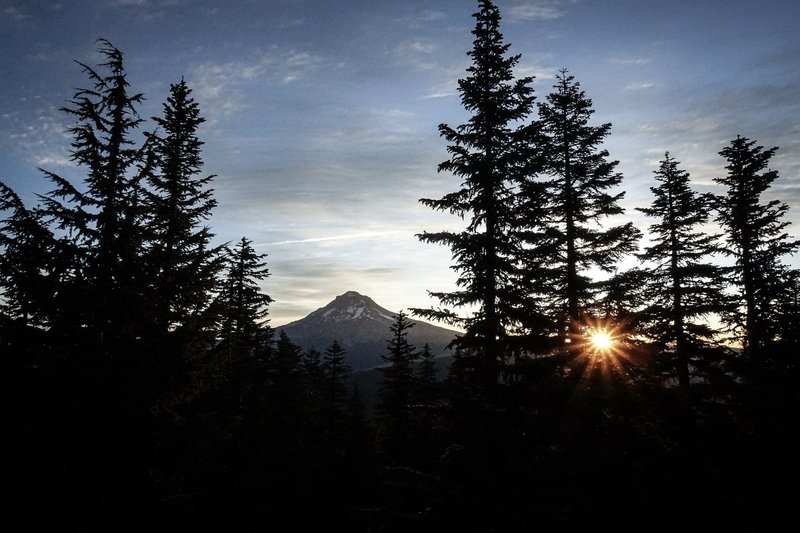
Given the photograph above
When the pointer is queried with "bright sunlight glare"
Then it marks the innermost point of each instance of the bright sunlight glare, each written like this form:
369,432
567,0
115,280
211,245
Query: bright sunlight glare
601,340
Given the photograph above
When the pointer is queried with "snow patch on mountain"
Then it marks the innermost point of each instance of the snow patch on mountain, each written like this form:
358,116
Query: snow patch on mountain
351,306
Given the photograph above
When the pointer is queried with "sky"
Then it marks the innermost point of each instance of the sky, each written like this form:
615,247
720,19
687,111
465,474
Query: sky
322,116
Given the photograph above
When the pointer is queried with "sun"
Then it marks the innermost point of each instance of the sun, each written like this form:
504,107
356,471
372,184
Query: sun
601,340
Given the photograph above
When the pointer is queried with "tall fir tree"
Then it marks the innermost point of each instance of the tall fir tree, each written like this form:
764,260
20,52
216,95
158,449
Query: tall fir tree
683,287
488,153
102,223
582,177
756,238
183,263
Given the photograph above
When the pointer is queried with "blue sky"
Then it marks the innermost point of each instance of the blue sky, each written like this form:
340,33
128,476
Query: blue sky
322,115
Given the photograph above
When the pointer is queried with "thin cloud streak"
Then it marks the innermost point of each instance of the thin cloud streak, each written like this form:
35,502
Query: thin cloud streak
348,236
636,61
535,11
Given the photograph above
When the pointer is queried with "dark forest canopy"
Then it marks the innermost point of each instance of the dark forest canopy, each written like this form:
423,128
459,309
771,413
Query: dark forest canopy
144,384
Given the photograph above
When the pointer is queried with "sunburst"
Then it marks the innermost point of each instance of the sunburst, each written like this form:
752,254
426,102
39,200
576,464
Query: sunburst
601,340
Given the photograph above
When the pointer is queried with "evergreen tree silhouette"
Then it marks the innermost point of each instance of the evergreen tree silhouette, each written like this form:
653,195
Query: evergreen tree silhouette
488,153
426,408
102,222
334,396
183,262
242,306
397,390
581,178
756,238
91,255
426,373
26,262
683,287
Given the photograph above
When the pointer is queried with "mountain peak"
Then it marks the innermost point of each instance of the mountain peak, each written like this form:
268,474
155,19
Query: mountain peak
363,328
352,296
352,306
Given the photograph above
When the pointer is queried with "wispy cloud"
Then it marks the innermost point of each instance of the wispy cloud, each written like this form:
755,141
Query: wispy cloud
635,61
640,86
42,139
15,13
296,64
219,86
535,10
430,15
367,129
443,91
418,53
343,237
540,73
683,125
419,19
54,159
125,3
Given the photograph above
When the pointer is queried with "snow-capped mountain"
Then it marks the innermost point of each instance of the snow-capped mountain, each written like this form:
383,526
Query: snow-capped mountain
362,327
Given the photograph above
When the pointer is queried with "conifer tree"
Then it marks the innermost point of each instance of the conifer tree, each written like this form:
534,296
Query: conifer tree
102,223
426,395
25,260
683,287
286,379
756,240
285,398
488,153
313,376
91,264
426,373
397,389
334,396
581,177
311,363
243,306
183,262
235,402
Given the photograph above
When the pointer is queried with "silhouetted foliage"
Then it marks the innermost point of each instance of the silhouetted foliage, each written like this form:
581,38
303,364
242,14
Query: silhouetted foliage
396,393
101,223
27,262
683,288
490,154
334,394
184,265
756,238
581,179
241,305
